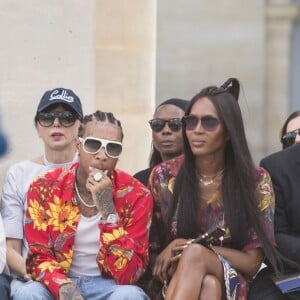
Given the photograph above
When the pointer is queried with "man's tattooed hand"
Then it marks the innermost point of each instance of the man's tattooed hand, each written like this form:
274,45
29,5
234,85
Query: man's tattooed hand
105,202
69,291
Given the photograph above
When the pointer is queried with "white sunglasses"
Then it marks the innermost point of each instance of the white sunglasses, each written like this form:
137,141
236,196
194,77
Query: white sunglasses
93,145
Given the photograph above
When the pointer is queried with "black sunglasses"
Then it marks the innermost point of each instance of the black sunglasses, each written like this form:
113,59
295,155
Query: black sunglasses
93,145
288,139
157,125
66,118
209,123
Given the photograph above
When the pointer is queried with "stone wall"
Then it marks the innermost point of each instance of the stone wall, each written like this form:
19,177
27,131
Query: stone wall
44,44
127,56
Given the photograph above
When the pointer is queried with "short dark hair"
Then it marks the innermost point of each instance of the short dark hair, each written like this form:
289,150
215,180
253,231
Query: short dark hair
102,117
155,156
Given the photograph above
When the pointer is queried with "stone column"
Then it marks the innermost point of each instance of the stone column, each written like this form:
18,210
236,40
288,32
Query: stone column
125,72
280,18
201,43
44,44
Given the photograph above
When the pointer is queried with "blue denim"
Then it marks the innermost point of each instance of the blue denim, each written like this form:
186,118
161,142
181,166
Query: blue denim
99,288
90,287
30,290
4,287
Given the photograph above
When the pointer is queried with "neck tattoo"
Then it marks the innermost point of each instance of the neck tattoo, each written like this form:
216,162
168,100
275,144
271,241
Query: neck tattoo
208,180
81,199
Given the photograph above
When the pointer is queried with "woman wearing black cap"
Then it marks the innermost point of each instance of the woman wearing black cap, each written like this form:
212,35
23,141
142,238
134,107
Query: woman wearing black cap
166,134
57,120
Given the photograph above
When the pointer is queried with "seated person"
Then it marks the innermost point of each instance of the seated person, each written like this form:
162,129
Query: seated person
87,225
56,121
166,134
290,131
216,185
284,168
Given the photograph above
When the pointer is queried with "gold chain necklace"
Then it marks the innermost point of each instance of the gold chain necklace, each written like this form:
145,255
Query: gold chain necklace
80,198
208,180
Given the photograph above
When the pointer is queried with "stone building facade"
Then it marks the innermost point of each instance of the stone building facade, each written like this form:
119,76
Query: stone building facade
127,56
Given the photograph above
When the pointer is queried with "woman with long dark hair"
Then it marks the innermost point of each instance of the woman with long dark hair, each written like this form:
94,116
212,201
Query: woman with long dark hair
218,189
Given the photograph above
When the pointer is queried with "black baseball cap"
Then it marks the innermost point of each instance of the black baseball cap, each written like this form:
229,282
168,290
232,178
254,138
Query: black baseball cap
61,96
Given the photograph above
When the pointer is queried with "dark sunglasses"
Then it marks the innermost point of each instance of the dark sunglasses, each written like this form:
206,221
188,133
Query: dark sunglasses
93,145
209,123
289,138
65,118
157,125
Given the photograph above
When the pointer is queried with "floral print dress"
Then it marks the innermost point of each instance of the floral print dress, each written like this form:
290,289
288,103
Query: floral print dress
161,185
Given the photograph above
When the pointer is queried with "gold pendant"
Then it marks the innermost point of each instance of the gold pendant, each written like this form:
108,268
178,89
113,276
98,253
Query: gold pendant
206,182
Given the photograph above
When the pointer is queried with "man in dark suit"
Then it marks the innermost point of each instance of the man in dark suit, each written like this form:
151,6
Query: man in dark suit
284,168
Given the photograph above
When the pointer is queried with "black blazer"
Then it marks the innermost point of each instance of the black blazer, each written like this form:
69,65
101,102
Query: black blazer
284,168
143,176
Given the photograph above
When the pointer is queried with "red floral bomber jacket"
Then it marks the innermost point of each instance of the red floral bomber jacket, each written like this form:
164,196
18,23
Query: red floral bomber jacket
52,220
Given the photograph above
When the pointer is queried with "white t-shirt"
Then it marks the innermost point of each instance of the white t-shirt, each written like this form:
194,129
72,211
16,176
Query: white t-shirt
86,247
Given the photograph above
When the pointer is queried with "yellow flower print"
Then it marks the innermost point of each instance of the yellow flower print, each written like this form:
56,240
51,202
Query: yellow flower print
116,233
122,257
49,266
62,215
121,262
126,212
265,203
171,184
37,214
63,261
66,263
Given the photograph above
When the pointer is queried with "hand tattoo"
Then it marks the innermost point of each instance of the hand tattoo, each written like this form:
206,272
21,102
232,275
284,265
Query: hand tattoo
105,202
69,292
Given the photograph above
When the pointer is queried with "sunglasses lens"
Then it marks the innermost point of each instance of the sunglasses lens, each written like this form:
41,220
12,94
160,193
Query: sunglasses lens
174,124
92,146
190,122
209,123
45,119
67,119
113,149
288,139
157,124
